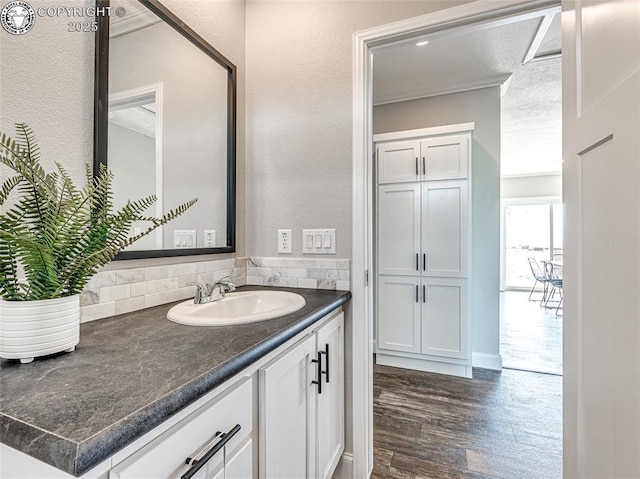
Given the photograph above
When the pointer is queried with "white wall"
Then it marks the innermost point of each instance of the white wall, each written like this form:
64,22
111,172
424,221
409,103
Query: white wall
46,80
531,186
483,108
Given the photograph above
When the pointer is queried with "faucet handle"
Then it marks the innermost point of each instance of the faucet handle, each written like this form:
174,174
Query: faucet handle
201,291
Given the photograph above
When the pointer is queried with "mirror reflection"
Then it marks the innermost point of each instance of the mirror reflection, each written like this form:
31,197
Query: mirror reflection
169,128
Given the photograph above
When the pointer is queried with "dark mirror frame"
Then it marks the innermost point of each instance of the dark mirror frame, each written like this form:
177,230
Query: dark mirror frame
101,121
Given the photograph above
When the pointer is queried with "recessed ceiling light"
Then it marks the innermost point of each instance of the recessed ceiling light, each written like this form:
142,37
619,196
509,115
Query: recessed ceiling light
424,42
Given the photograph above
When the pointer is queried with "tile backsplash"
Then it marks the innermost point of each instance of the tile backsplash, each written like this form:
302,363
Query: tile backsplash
121,291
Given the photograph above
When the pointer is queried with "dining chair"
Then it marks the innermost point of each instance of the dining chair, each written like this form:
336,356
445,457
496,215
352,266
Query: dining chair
540,277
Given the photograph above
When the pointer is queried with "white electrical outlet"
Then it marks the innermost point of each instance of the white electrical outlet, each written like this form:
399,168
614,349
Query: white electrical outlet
209,240
284,241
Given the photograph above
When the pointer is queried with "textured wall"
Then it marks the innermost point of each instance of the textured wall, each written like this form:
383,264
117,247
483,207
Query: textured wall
46,80
483,108
531,186
299,114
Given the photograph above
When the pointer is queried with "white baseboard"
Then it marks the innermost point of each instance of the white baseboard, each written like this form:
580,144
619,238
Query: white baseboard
344,469
487,361
426,365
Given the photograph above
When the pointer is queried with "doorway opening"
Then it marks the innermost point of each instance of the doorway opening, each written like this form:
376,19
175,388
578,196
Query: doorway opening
363,197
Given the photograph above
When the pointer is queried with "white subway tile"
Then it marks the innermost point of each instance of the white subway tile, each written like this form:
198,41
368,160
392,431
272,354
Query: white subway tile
155,299
146,287
167,284
327,284
89,297
129,304
127,276
295,272
343,264
97,311
176,270
342,285
327,263
102,279
156,272
187,278
308,283
255,280
278,281
113,293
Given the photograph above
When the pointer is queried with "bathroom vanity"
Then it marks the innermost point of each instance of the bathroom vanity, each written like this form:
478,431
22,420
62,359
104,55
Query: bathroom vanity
145,397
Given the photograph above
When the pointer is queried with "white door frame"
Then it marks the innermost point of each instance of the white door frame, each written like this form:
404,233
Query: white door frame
448,21
123,97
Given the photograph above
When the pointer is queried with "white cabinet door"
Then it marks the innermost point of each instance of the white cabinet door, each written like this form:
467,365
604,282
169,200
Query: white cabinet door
330,437
398,162
399,229
444,157
399,313
444,229
445,330
287,414
239,464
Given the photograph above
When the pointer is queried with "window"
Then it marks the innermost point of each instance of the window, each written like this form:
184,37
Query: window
532,229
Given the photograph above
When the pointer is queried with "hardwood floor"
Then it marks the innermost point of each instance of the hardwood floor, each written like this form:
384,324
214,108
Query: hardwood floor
497,425
530,336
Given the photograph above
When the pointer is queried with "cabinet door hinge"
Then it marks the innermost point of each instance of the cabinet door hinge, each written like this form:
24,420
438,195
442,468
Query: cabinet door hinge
366,277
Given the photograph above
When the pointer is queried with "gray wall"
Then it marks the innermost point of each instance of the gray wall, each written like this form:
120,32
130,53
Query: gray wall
299,114
46,80
135,172
483,108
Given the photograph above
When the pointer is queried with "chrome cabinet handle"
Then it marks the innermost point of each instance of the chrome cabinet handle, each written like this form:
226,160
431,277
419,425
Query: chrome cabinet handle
424,261
417,299
197,464
424,293
417,171
417,262
424,166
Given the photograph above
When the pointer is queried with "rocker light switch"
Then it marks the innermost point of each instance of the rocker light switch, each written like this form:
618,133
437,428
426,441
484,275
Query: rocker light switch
322,241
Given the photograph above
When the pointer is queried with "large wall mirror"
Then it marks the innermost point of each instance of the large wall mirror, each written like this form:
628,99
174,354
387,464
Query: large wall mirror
165,124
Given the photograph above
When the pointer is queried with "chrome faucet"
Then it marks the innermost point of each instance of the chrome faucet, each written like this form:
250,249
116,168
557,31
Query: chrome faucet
224,285
204,292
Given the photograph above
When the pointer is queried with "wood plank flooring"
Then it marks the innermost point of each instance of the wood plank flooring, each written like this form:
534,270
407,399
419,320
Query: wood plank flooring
497,425
530,336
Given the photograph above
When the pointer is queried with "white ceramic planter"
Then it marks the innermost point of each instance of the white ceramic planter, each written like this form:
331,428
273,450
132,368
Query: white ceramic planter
29,329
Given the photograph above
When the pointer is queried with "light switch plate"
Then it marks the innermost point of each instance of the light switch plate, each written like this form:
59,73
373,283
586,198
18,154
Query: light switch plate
184,238
284,241
320,241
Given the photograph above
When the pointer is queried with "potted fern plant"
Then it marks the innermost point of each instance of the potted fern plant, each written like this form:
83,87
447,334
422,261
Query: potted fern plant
54,236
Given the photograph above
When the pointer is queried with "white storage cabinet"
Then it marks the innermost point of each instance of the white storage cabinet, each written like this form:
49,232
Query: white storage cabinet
423,249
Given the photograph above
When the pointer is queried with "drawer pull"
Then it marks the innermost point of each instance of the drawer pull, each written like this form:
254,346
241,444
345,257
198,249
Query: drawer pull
326,359
197,464
318,361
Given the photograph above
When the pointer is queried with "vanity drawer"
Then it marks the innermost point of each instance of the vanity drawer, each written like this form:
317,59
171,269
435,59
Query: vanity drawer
193,437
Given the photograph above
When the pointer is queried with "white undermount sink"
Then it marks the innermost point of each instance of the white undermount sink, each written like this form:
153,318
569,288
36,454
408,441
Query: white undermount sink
237,308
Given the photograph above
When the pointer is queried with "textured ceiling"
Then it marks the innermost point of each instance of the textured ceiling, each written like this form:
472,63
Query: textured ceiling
531,104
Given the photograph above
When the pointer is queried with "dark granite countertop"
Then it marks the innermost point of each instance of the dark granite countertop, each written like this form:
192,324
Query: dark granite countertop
129,374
